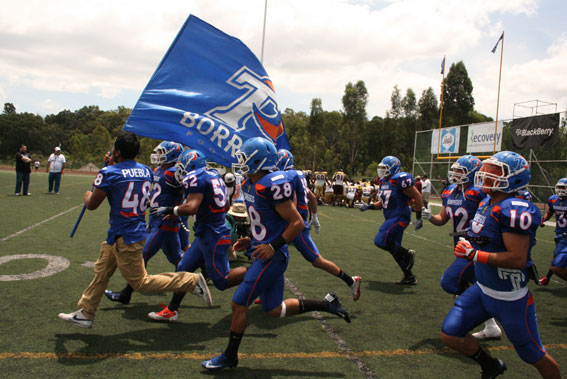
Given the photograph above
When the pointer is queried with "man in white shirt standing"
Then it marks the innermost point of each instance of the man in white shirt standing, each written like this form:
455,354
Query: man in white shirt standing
55,167
425,190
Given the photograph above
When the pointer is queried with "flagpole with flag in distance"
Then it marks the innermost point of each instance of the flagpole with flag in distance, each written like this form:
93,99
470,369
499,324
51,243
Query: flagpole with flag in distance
441,106
499,79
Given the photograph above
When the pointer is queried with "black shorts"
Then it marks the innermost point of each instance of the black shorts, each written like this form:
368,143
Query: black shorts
338,189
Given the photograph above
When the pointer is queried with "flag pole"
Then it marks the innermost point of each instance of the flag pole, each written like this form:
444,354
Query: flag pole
441,109
498,97
264,31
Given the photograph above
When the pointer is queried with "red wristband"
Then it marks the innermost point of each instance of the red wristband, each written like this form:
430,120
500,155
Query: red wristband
482,256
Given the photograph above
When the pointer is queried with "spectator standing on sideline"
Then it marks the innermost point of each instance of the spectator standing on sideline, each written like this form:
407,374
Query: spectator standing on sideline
36,164
418,183
55,167
23,171
425,190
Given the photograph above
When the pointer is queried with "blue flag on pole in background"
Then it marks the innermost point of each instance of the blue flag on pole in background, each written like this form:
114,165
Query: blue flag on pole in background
209,92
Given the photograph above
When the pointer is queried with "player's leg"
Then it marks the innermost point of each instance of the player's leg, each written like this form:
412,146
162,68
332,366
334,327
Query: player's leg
519,320
191,261
559,264
131,265
458,276
151,247
104,268
305,245
467,312
389,238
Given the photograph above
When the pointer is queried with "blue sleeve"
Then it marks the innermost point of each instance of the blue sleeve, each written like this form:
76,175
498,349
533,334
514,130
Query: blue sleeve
402,180
194,182
102,180
281,189
518,216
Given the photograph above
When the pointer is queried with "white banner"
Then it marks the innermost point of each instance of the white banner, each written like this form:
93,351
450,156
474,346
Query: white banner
481,137
449,141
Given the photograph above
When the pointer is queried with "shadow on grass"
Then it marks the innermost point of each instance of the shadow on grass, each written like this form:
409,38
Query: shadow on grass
555,291
390,288
248,373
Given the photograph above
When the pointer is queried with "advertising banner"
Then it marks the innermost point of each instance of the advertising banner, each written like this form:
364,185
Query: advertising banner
449,141
481,137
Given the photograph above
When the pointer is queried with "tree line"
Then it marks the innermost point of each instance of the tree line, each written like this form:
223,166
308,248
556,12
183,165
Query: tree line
322,140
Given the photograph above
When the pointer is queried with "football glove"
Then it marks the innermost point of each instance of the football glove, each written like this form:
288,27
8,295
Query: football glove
315,223
363,207
426,214
464,249
161,211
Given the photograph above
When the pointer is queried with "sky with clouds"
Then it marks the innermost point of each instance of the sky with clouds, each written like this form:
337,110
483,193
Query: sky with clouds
59,54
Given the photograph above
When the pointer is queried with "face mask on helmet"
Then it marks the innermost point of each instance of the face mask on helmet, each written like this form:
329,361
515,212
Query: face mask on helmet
256,154
561,188
189,160
166,152
504,172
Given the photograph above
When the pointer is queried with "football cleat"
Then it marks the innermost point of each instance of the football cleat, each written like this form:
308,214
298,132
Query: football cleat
335,306
488,333
202,290
544,281
408,280
410,258
219,362
117,296
77,318
494,372
355,288
164,315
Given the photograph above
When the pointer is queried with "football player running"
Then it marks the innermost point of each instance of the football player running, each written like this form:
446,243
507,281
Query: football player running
127,186
307,202
162,234
557,204
274,223
460,203
206,198
396,191
504,227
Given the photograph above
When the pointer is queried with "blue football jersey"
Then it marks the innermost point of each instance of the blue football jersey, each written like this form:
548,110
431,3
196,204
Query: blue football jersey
212,211
559,207
461,206
261,197
394,202
511,215
166,192
128,186
297,178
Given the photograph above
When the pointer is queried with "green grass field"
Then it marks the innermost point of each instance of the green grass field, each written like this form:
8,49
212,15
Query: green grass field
394,332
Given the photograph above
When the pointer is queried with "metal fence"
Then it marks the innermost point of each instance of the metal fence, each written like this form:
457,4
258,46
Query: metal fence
547,165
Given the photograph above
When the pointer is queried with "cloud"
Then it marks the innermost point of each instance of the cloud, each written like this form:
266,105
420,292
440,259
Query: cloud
312,48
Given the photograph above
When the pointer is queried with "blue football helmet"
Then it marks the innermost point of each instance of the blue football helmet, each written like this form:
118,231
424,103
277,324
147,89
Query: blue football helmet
188,161
561,187
514,173
285,160
463,170
526,195
166,152
256,154
389,165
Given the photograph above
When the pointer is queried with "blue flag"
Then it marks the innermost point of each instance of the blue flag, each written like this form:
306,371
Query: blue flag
211,93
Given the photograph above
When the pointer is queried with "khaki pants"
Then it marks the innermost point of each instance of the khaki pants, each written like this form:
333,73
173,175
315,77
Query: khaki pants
129,260
425,196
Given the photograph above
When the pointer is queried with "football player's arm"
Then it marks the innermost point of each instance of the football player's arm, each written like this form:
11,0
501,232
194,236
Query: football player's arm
295,225
415,195
190,206
94,198
515,257
440,219
547,215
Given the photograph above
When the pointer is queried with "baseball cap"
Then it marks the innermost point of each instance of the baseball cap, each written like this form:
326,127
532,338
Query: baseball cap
57,148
